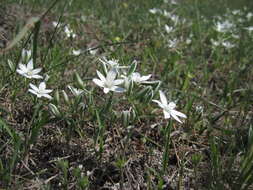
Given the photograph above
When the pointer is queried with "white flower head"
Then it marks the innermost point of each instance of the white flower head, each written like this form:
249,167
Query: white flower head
69,32
169,109
109,83
174,18
249,15
93,51
168,29
40,91
113,63
76,52
75,91
228,44
154,10
250,28
166,14
136,77
224,26
215,43
54,23
173,43
28,71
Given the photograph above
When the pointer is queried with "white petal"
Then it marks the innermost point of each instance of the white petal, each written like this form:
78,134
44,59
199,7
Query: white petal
106,90
34,92
98,82
21,72
117,89
28,76
46,91
111,75
175,117
166,114
37,77
36,71
101,76
136,75
118,81
34,87
178,113
42,86
104,61
159,103
144,78
163,98
47,96
30,65
22,67
172,105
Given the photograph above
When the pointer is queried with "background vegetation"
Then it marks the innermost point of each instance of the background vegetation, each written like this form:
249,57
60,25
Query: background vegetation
199,50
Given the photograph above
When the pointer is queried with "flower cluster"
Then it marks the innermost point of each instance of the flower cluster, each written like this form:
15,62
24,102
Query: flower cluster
117,76
28,71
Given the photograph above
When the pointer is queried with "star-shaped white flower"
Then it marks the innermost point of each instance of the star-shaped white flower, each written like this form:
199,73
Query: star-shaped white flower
109,83
136,77
28,71
75,91
112,64
41,91
169,109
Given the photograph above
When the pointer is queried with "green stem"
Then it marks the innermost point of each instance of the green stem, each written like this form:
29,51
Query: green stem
167,144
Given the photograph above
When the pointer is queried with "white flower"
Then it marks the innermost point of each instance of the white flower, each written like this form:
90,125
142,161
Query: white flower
173,43
75,91
169,109
168,29
154,10
93,51
28,71
227,44
166,14
127,80
69,32
215,43
249,15
136,77
188,41
250,28
112,64
174,18
236,12
174,2
76,52
46,77
54,23
41,91
224,26
109,83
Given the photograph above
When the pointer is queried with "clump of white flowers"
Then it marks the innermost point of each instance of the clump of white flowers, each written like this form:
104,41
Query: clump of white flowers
28,71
